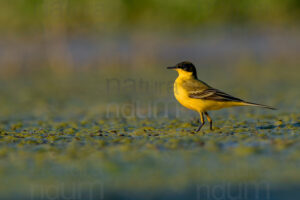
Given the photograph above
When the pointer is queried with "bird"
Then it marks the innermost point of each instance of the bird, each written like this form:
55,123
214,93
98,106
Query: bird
197,95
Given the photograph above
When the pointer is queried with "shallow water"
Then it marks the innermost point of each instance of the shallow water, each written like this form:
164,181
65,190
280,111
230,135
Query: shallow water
60,136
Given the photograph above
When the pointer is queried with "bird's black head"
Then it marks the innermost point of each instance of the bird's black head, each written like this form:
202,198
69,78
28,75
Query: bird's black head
186,66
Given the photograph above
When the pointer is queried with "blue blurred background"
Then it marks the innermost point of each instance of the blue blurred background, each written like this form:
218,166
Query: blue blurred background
67,35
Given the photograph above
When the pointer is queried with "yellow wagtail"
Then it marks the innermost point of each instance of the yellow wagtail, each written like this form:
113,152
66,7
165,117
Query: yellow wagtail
199,96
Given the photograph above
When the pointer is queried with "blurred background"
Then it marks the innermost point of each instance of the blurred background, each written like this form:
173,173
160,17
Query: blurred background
74,71
63,52
66,35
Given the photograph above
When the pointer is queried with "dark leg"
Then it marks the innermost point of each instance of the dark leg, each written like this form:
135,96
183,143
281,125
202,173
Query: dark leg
202,122
209,120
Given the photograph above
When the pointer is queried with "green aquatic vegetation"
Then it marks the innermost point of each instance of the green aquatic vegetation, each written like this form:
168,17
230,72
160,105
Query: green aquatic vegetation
16,126
75,142
282,144
246,150
212,146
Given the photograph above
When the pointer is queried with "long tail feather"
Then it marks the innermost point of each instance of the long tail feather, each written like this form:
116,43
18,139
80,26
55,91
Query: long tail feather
258,105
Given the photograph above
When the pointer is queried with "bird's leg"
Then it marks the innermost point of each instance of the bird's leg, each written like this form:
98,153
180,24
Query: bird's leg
202,122
209,120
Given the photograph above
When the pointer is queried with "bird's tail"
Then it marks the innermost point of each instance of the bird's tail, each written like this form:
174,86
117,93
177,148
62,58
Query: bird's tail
245,103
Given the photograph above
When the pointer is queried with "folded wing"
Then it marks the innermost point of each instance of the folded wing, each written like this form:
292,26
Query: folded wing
213,94
200,90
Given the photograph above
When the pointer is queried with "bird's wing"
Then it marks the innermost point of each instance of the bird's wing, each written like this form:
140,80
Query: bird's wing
213,94
200,90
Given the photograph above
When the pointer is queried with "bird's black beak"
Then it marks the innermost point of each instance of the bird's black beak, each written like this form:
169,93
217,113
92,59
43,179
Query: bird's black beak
173,67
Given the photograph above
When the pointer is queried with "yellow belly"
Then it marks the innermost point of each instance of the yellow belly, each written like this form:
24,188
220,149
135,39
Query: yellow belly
199,105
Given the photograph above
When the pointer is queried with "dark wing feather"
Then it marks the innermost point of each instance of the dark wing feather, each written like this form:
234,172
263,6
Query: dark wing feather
213,94
200,90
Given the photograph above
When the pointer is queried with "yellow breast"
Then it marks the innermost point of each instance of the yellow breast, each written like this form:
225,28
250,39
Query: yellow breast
199,105
183,98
